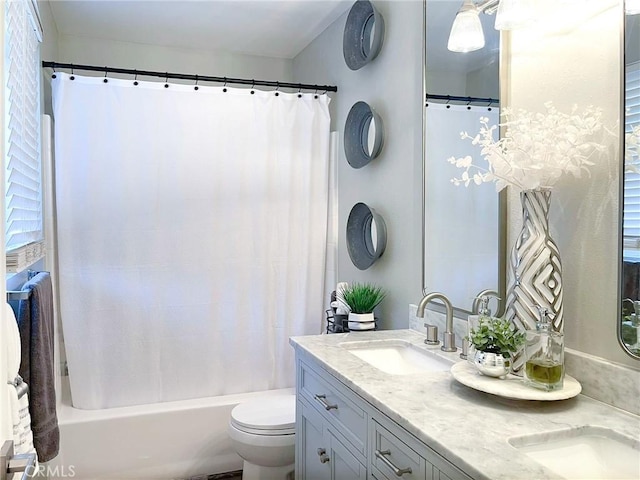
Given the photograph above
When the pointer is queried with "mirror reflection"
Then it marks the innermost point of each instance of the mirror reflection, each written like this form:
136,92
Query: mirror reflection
630,323
461,225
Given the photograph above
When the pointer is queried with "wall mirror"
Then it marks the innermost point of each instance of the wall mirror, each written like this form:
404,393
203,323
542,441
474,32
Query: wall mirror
464,236
363,34
366,236
629,322
363,135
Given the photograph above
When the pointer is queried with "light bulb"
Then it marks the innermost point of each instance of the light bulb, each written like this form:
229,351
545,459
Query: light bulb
466,32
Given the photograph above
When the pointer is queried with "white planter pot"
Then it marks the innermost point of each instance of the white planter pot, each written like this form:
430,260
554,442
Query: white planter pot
361,317
353,326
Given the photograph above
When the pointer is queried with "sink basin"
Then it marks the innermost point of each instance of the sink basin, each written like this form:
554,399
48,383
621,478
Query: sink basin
584,453
397,357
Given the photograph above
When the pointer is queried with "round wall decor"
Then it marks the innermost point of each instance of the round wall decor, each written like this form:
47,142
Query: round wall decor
366,236
363,35
363,135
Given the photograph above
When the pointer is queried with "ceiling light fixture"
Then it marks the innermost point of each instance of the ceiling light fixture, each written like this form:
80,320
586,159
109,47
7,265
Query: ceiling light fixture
513,13
632,7
466,32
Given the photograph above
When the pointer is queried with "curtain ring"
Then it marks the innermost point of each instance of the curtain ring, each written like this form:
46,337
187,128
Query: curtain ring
135,78
166,79
315,94
195,87
299,91
277,87
72,77
53,74
253,84
105,80
469,103
224,87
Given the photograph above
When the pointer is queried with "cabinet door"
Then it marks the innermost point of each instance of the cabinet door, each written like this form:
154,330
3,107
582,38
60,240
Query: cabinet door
448,472
344,465
312,450
394,458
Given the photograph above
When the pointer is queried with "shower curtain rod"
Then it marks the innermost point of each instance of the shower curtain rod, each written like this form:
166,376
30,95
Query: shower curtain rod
468,100
195,78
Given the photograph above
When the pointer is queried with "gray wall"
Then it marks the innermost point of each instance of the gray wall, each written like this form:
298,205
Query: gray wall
391,184
94,51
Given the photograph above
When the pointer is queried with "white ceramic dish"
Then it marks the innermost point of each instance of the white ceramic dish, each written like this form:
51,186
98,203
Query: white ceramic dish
512,386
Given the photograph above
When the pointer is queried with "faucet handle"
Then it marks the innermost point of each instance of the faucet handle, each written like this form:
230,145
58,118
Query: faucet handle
432,334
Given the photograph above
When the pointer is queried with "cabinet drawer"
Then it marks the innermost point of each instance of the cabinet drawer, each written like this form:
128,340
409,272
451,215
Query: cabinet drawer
393,458
345,417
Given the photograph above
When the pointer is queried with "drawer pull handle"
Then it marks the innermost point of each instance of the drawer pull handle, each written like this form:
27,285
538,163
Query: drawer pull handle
398,471
322,453
323,400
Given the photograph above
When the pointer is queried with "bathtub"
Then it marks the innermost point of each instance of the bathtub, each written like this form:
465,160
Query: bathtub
163,441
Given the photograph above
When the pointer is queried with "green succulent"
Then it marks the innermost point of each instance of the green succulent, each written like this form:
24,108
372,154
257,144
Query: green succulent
363,297
497,335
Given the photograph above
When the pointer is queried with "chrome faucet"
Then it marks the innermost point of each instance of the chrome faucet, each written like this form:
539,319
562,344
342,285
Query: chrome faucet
482,297
449,339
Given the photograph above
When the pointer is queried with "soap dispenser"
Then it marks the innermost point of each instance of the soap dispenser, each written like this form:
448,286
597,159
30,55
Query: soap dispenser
472,324
544,354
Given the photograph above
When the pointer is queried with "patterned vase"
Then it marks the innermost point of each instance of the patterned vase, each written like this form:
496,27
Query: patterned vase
535,271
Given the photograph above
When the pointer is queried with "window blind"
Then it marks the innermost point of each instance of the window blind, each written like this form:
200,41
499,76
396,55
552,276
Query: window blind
631,218
22,123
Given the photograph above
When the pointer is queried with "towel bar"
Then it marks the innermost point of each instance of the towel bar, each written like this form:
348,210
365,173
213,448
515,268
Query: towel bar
21,387
14,295
10,463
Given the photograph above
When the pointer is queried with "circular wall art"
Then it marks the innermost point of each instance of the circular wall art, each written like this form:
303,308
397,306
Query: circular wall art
363,135
363,35
366,236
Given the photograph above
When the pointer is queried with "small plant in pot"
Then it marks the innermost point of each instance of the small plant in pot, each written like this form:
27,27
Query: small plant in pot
362,299
495,341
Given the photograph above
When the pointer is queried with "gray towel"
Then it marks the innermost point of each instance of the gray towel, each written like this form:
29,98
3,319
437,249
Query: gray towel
35,322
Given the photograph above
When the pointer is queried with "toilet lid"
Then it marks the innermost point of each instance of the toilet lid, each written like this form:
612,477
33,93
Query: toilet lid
269,414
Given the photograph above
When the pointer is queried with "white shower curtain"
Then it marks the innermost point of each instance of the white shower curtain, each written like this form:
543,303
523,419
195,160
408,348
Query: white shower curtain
454,210
192,231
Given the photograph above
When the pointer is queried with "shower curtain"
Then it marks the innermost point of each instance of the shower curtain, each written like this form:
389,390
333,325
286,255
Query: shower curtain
192,232
452,210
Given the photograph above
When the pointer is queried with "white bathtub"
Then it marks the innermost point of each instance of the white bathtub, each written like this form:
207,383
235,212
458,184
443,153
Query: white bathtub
163,441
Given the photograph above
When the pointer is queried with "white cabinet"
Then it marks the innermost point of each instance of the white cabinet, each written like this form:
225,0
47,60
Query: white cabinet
340,436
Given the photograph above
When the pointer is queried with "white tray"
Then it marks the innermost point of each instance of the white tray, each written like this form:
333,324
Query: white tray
511,386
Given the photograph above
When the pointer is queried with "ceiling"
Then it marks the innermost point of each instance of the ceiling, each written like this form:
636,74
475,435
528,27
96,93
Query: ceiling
272,28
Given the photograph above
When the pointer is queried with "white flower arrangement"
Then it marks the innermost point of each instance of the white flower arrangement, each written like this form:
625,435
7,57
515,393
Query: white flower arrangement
536,150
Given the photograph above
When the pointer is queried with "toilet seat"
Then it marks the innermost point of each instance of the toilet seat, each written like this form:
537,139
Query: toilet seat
275,415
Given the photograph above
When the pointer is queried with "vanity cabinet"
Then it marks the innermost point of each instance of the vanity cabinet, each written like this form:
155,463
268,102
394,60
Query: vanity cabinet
340,436
394,452
319,453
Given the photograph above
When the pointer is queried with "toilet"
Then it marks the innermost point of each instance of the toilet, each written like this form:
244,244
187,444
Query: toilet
262,432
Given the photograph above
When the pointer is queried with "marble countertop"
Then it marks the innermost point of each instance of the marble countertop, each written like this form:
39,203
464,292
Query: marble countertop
467,427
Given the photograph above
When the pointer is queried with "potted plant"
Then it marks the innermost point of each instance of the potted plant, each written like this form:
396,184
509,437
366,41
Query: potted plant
362,299
495,341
